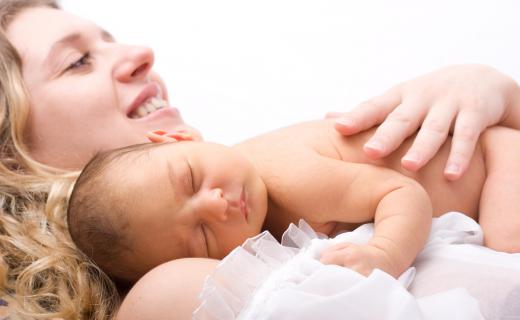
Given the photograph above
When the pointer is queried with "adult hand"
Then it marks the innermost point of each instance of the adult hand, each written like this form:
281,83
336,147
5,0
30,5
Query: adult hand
462,100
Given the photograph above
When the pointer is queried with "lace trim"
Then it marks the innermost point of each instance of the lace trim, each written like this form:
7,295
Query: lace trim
243,273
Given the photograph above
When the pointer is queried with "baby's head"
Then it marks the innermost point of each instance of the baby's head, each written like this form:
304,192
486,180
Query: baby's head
136,207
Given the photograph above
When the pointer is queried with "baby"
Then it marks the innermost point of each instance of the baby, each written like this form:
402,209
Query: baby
137,207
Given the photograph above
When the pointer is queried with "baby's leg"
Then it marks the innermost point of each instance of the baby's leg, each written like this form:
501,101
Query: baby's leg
500,200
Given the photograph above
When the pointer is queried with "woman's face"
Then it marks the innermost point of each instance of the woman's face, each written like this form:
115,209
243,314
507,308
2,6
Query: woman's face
88,92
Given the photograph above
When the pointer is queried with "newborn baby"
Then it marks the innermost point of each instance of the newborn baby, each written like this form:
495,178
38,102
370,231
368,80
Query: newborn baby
137,207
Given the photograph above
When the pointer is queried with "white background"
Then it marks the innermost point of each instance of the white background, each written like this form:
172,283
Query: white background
237,68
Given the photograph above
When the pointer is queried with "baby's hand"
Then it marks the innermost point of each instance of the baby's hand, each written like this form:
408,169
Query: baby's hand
362,258
159,136
461,99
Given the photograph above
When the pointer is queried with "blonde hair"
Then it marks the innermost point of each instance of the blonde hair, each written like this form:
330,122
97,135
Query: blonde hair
42,274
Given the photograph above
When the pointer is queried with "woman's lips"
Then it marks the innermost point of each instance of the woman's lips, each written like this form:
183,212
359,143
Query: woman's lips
150,90
159,114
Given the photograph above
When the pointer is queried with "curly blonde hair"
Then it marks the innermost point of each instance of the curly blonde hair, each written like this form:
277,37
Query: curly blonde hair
42,274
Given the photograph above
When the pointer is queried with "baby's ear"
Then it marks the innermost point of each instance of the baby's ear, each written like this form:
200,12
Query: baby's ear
159,136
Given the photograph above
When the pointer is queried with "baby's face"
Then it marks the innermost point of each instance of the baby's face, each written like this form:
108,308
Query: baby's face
190,199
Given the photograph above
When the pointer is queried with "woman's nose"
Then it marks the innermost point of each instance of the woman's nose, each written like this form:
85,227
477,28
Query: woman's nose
133,63
213,205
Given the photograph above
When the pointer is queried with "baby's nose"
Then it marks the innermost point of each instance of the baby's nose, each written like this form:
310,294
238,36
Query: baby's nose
217,205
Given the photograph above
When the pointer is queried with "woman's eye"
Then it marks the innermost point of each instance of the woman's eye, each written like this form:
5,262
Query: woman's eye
81,62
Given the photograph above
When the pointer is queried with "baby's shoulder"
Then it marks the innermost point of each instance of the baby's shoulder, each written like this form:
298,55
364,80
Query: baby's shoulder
305,141
300,137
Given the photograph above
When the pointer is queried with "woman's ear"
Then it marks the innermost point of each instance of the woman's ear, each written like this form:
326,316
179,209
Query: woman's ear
159,136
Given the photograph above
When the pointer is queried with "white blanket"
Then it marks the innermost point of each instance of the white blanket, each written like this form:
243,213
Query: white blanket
454,277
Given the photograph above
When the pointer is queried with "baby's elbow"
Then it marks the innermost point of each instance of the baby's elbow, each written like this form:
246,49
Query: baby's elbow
419,197
421,201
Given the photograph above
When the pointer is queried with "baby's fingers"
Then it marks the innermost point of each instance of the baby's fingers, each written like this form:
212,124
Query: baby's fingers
335,254
468,127
430,138
367,114
159,136
332,257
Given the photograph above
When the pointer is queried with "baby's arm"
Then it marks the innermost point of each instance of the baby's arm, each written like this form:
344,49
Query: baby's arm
333,190
401,226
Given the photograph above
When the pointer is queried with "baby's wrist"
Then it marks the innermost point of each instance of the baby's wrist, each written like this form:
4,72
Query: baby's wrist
396,262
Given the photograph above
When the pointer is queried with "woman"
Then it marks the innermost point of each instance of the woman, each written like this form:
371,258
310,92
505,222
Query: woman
68,90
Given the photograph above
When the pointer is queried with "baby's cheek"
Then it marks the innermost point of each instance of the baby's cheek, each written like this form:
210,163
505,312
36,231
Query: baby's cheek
236,240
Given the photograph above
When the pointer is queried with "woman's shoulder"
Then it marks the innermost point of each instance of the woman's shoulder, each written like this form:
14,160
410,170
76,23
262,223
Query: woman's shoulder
169,291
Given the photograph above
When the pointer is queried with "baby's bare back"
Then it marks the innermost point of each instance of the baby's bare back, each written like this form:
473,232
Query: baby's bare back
290,144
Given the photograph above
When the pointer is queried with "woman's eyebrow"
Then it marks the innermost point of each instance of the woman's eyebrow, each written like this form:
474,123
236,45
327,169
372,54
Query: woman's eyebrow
71,39
67,40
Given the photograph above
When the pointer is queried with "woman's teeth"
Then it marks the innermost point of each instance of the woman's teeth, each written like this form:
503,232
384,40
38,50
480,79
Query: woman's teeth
148,107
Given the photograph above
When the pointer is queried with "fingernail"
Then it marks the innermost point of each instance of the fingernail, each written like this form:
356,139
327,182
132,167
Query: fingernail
412,157
345,122
375,145
452,168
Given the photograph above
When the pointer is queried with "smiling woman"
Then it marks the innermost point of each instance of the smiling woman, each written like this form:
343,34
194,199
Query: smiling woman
41,274
68,90
222,58
60,66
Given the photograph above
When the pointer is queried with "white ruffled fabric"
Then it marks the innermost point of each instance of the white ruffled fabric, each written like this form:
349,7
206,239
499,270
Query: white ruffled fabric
453,278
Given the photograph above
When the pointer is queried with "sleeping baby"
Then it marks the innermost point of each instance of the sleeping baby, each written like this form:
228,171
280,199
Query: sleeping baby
137,207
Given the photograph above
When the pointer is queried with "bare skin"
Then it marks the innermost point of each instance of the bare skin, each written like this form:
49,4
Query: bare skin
463,193
158,296
445,195
323,178
487,192
458,100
